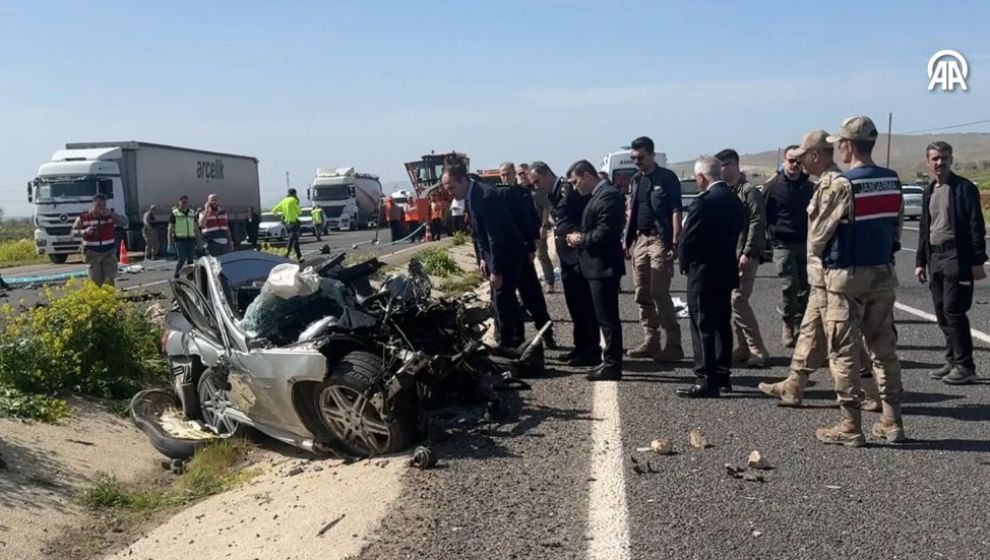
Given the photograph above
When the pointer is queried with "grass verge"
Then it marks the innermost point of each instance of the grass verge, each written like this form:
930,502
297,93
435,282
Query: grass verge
462,283
19,252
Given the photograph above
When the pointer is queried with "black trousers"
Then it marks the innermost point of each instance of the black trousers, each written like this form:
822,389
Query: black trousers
605,299
395,227
508,315
577,295
413,227
293,242
436,228
952,301
531,294
711,333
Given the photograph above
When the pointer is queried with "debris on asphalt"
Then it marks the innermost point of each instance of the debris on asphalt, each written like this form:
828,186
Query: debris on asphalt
423,458
741,474
758,461
698,439
757,533
643,468
144,296
833,487
659,446
330,525
134,269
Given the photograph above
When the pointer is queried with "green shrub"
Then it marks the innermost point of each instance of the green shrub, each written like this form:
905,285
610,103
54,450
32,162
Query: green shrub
437,261
19,251
84,339
460,238
15,404
461,283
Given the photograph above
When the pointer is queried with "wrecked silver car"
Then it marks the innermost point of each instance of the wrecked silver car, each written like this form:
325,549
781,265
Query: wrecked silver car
314,356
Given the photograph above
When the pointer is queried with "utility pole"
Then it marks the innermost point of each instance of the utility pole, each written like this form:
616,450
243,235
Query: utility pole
286,180
890,124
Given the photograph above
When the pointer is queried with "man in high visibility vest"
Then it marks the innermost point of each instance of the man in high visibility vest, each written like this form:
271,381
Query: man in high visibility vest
182,233
412,224
317,215
214,227
438,209
98,227
288,210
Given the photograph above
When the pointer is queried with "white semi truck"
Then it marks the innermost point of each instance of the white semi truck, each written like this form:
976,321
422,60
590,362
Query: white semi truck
349,200
133,176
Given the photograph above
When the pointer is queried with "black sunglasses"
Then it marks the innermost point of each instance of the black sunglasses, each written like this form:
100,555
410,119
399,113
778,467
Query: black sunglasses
793,161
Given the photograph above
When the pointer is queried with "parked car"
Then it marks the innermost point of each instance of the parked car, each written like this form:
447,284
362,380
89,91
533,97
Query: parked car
913,195
271,228
311,355
689,192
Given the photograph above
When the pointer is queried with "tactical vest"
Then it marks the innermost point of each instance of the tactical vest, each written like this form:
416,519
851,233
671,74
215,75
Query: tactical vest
216,225
105,235
867,239
185,224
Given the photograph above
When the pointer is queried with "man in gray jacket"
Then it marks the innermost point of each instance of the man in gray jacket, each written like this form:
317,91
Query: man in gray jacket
749,342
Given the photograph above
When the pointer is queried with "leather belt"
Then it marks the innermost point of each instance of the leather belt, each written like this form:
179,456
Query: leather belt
944,247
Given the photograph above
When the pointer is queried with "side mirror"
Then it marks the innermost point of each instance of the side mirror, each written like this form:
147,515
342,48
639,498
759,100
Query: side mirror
30,192
308,196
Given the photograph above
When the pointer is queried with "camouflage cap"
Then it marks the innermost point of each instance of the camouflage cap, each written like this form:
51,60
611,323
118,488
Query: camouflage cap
855,128
814,140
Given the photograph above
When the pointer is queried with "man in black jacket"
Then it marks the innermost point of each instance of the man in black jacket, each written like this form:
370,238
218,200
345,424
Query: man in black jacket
953,248
787,197
707,254
567,208
519,200
499,246
599,247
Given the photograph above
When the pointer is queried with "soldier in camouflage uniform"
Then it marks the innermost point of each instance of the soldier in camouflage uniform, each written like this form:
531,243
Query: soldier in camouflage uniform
811,350
856,238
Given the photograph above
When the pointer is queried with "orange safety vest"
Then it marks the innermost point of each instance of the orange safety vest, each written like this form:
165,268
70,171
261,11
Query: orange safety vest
438,210
104,237
423,209
388,209
216,224
410,212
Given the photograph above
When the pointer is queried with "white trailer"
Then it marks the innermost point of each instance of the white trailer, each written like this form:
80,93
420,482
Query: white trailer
349,200
133,176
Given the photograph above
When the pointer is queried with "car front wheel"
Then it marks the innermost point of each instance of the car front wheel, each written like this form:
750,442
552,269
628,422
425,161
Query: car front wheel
356,416
215,406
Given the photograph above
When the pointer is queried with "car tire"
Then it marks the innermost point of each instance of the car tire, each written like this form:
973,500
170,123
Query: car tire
213,402
362,432
146,409
58,258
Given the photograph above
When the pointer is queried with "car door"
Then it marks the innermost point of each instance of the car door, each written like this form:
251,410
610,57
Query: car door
205,340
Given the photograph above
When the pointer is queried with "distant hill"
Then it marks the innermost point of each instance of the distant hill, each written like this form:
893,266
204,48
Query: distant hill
907,153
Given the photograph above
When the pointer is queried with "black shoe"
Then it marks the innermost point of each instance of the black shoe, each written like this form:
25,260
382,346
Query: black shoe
725,385
605,374
699,391
584,360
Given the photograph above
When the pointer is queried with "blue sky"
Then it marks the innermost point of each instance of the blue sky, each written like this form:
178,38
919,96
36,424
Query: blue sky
373,84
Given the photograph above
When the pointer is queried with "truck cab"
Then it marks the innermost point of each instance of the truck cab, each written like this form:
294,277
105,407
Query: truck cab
349,199
64,188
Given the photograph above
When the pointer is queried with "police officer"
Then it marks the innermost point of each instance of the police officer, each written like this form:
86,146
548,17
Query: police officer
519,200
856,239
149,230
317,215
98,227
182,233
288,209
810,349
214,227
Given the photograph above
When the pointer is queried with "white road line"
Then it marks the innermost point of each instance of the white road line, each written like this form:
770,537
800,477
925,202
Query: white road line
929,317
155,283
608,523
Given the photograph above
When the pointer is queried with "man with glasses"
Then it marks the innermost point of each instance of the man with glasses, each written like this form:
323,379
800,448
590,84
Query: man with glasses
788,195
650,241
749,342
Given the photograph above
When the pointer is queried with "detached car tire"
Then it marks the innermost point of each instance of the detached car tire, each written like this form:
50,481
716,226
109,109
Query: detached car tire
356,423
146,410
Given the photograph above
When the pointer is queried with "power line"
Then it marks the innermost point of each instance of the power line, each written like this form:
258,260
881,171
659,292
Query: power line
985,121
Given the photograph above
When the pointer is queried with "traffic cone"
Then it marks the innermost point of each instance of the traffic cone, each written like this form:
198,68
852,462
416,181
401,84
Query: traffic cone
123,259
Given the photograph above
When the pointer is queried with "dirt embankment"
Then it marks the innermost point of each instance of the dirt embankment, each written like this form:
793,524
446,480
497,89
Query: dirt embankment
44,466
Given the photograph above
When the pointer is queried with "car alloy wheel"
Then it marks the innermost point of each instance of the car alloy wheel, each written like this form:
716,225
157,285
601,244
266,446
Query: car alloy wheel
215,407
354,419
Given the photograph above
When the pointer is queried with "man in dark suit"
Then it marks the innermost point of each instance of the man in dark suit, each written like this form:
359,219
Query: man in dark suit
707,253
567,208
519,200
499,246
599,246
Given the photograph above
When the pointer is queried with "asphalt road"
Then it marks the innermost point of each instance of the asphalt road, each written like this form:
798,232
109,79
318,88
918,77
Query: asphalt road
560,480
155,274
